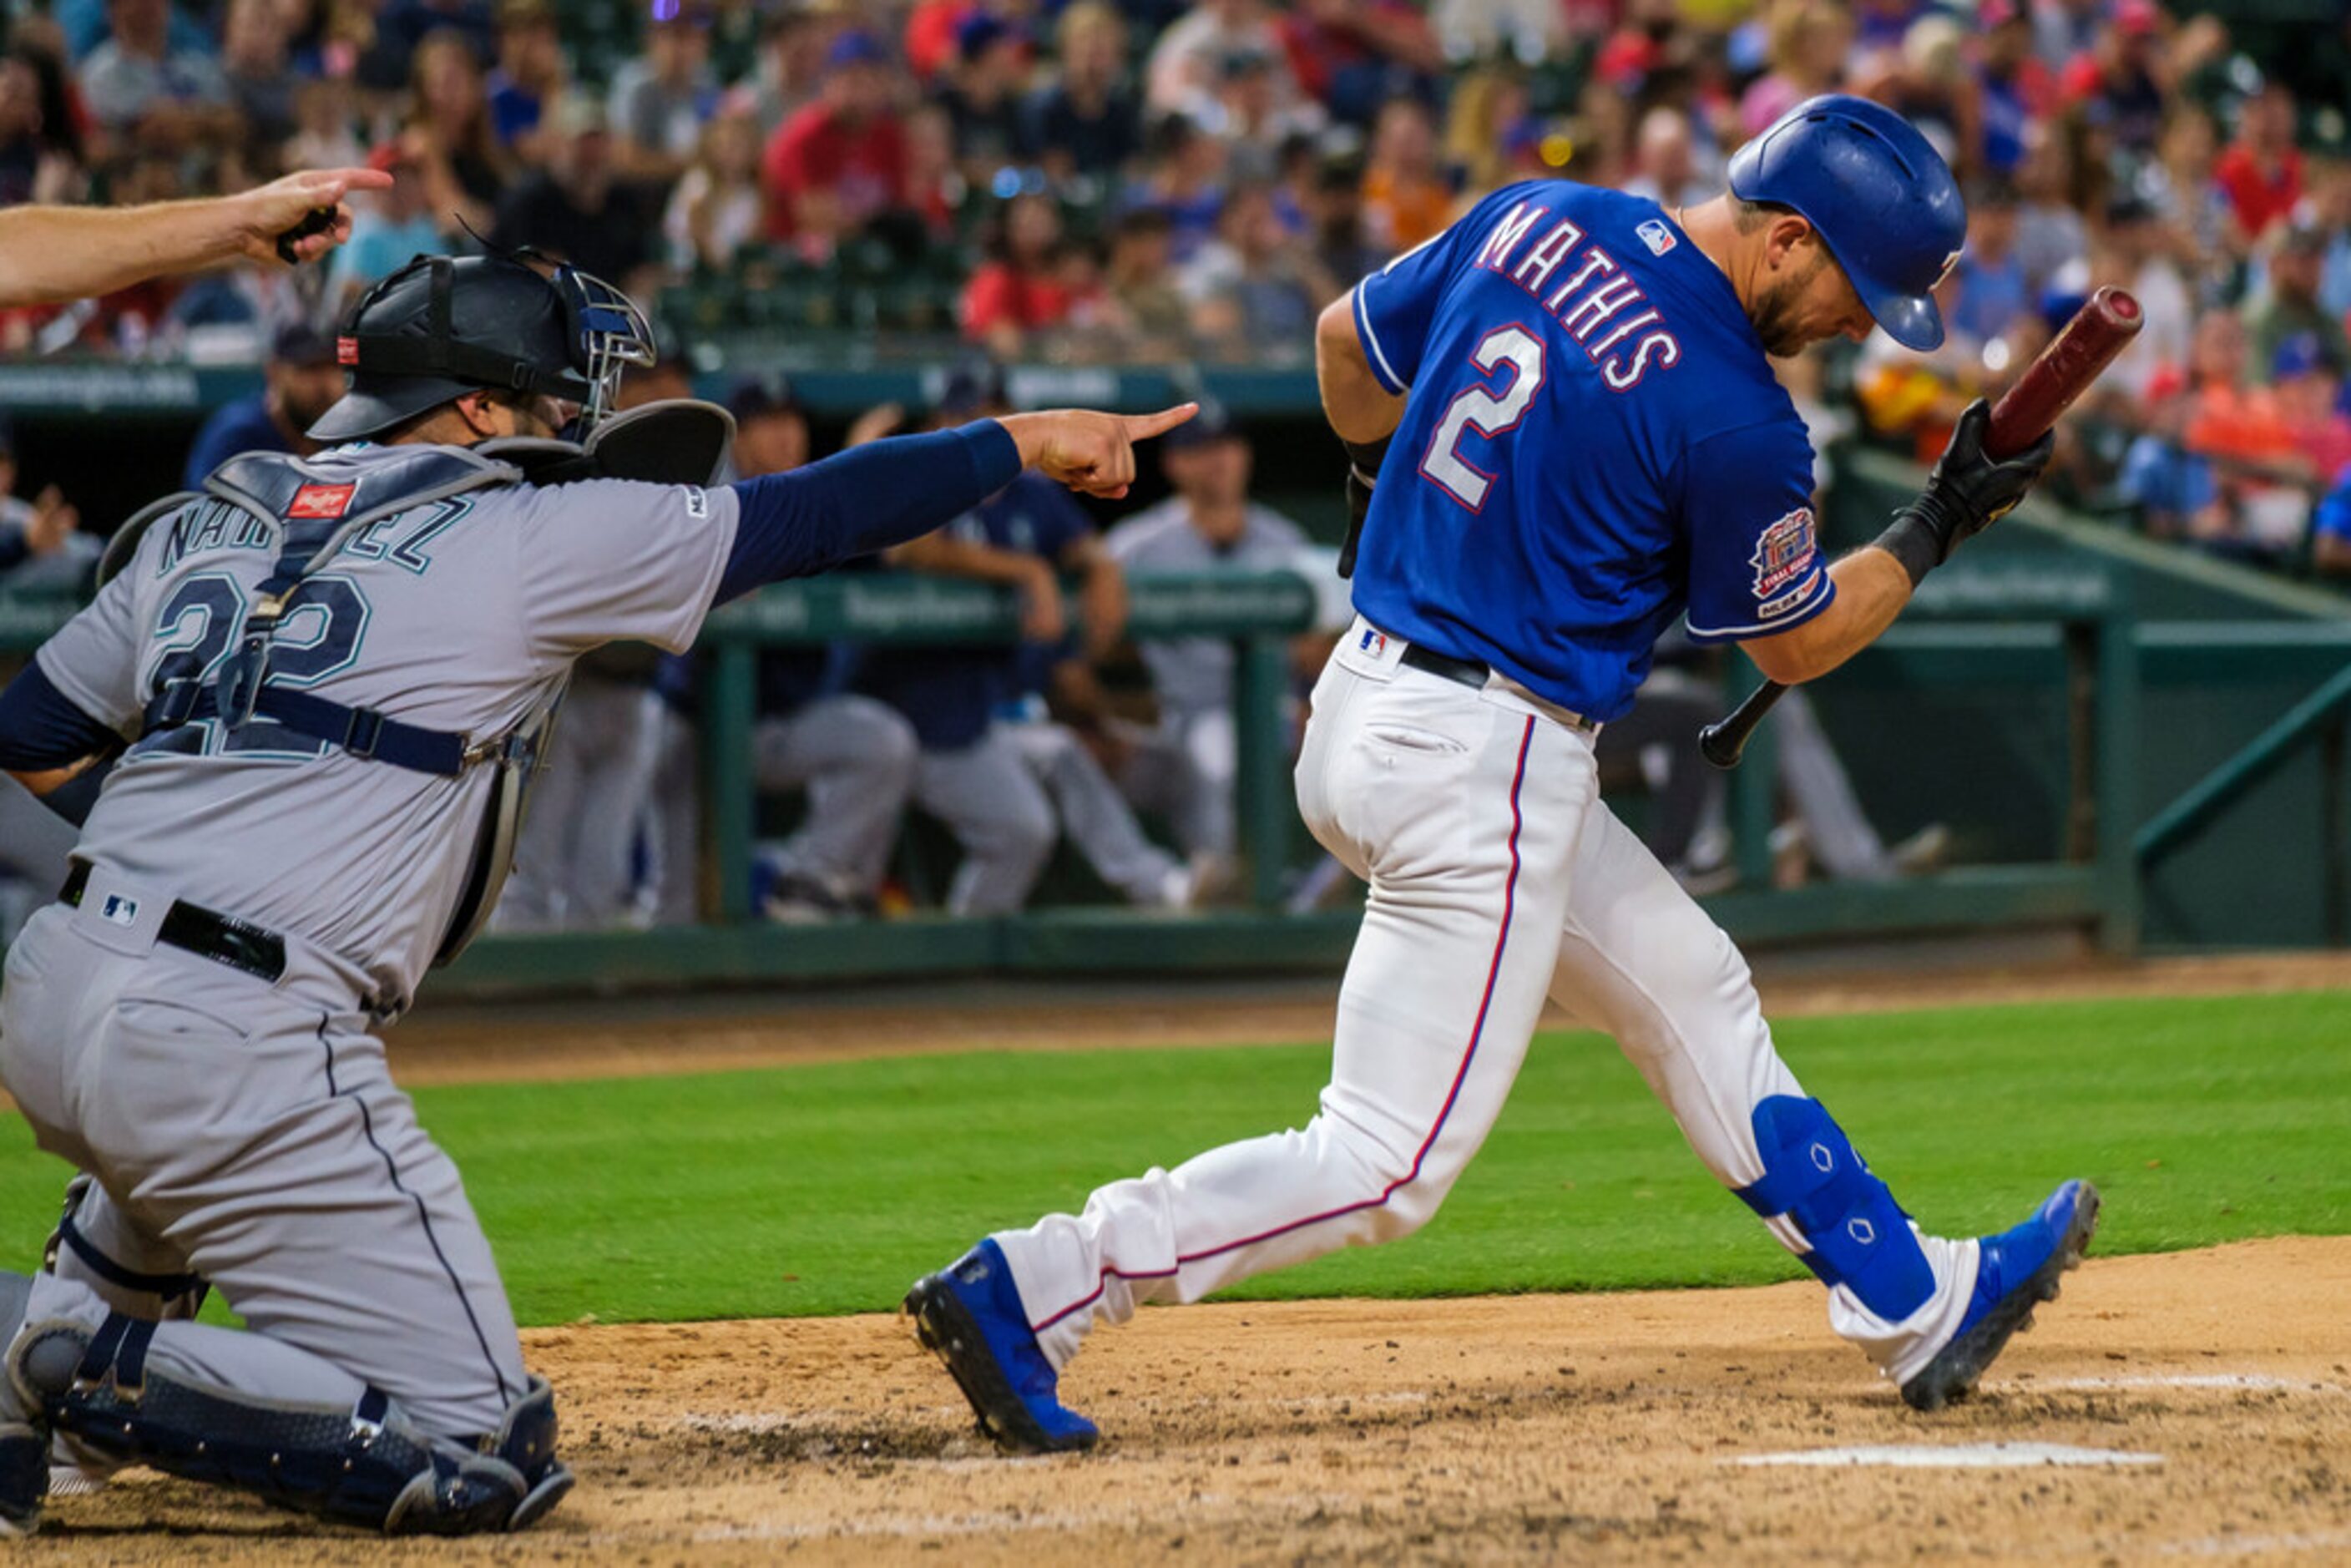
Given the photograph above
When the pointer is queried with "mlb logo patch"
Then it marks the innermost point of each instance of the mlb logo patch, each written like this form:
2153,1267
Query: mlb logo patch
1784,552
1656,235
321,500
119,910
1373,643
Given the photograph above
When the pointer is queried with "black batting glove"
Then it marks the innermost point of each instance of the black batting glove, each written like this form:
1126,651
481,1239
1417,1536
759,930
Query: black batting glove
1968,492
1363,459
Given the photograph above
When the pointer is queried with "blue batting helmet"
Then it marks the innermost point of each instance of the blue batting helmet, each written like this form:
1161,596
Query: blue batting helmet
1880,197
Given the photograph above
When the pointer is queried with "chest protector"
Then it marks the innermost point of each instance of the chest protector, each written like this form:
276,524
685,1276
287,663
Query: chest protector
272,487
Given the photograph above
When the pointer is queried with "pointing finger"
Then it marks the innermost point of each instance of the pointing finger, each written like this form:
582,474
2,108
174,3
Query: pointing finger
1144,427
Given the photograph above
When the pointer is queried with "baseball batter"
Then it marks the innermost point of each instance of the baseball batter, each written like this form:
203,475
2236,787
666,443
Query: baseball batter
1563,413
331,675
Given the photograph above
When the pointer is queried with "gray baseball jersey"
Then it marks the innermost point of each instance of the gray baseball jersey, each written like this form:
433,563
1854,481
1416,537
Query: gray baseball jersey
1195,675
462,614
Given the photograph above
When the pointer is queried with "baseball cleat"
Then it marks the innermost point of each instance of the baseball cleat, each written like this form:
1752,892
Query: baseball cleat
970,1317
2018,1269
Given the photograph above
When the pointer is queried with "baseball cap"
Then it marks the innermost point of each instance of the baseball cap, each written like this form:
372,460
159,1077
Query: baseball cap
1214,422
855,47
976,32
754,396
302,343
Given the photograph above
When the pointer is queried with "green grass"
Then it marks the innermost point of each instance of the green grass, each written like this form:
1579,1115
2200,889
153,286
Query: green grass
826,1188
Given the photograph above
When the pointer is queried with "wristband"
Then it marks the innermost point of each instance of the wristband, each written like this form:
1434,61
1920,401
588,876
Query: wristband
1914,541
1368,455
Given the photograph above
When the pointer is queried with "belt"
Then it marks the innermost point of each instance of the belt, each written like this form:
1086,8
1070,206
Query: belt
1474,672
192,928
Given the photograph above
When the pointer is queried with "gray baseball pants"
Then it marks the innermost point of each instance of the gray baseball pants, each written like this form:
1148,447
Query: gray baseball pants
1094,815
250,1133
574,862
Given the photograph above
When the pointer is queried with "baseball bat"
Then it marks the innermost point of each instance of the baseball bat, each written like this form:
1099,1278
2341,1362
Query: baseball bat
2100,329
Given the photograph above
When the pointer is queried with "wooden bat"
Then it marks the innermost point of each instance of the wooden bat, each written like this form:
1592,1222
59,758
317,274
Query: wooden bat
2104,326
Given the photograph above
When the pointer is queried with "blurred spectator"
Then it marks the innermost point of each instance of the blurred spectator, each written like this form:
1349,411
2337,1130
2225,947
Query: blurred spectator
2050,232
2330,211
324,134
388,226
2181,185
1250,118
2064,29
1183,766
982,94
2330,531
2307,386
299,381
936,192
447,132
1354,57
1492,135
1186,181
1665,167
1992,287
840,161
717,210
1807,44
400,29
1141,282
2143,264
2261,170
83,26
1928,80
578,208
262,84
929,40
1405,196
2014,89
1188,59
34,166
1526,31
1087,121
42,547
2120,83
793,40
1021,291
1255,283
139,84
530,75
2172,489
661,99
2289,308
2243,428
1334,217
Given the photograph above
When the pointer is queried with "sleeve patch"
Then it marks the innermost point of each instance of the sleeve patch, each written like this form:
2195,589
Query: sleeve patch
1785,553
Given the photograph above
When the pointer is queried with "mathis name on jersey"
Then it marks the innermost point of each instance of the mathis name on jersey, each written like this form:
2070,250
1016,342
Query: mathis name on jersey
1597,303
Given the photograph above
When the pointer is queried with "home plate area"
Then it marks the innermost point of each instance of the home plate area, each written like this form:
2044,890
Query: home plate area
2183,1406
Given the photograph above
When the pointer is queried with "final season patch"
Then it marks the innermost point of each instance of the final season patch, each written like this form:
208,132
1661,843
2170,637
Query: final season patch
1784,552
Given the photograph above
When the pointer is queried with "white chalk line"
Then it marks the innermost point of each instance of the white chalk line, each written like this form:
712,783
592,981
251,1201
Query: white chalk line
1953,1457
2230,1380
2257,1545
758,1423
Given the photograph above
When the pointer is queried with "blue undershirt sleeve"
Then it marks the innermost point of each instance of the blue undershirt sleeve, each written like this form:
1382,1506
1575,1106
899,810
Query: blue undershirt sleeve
42,728
863,500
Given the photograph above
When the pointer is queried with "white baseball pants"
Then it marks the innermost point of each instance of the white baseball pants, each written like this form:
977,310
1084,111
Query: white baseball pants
1497,878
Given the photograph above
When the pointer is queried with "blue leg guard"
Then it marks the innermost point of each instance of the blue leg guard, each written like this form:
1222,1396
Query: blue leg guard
1859,1236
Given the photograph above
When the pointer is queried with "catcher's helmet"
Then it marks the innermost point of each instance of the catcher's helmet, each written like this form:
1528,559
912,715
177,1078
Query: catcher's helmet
1878,194
444,326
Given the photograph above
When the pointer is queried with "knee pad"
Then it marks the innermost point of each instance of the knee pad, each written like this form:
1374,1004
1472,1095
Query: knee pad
367,1466
1855,1235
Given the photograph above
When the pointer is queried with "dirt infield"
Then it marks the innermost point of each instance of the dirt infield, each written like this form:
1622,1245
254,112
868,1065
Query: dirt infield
2207,1398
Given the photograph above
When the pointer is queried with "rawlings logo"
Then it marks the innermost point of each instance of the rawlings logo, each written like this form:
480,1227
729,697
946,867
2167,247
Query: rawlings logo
321,500
1784,552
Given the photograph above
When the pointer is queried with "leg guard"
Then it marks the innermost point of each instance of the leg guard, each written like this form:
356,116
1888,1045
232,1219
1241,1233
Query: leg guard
366,1466
73,1253
1853,1232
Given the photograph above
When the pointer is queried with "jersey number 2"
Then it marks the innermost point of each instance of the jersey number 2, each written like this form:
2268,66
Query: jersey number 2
1510,352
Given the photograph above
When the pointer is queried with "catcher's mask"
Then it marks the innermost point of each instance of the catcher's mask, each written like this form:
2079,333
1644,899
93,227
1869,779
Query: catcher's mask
442,326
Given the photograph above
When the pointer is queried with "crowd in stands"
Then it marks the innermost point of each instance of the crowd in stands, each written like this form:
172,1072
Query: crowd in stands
1126,180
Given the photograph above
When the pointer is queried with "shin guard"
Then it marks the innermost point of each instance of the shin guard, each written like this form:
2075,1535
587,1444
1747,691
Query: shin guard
1853,1233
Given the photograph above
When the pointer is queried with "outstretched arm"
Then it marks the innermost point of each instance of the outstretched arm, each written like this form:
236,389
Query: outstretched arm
887,492
51,255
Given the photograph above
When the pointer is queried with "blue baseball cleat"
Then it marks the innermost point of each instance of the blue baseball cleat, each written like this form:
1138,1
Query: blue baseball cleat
2018,1271
970,1317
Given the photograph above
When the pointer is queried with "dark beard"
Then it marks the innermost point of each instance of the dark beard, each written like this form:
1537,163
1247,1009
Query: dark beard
1774,316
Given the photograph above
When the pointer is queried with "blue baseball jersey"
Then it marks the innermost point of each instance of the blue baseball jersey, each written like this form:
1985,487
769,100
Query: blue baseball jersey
1593,444
950,693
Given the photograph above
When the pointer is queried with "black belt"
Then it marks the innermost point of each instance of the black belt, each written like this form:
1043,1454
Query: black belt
1472,673
1467,672
192,928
